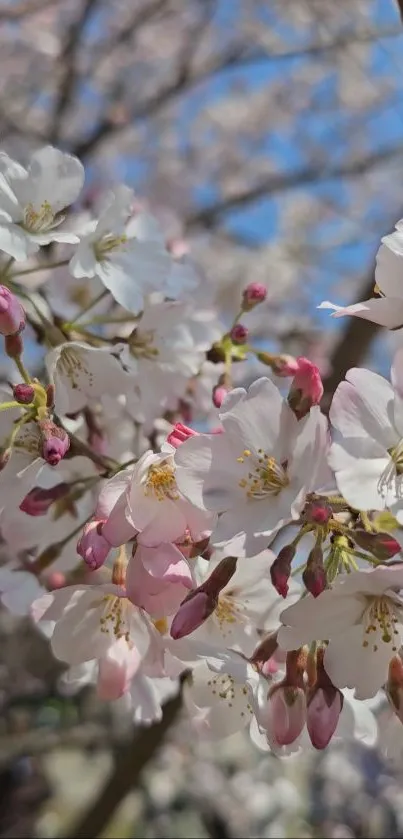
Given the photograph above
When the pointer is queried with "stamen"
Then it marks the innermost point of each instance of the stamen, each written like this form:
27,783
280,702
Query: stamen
115,618
380,617
39,221
108,244
267,476
161,482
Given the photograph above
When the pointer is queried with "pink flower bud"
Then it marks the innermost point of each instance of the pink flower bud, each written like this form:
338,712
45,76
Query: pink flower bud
23,393
306,389
55,580
55,442
13,345
252,295
12,315
192,613
287,712
179,434
92,545
38,501
284,365
318,512
323,712
394,686
219,394
381,545
314,574
281,569
239,333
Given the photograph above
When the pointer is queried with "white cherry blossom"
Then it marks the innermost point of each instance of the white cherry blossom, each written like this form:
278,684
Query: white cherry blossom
361,617
387,308
367,452
258,471
32,200
82,375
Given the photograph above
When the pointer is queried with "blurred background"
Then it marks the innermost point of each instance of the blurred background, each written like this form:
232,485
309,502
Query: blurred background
267,135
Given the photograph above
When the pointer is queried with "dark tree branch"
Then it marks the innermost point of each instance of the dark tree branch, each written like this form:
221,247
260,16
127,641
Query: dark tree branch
285,181
125,774
237,55
24,9
68,62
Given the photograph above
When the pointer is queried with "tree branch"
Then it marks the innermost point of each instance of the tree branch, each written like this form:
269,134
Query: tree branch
68,61
128,767
238,54
285,181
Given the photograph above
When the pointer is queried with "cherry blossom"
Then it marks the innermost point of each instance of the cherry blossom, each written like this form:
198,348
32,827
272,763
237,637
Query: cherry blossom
361,617
32,200
258,472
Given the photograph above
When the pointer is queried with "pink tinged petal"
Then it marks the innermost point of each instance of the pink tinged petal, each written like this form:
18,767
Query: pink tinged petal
208,473
179,434
386,311
116,670
92,545
165,561
112,491
157,596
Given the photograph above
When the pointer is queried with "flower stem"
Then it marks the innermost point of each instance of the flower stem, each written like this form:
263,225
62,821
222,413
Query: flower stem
86,309
41,267
5,406
22,369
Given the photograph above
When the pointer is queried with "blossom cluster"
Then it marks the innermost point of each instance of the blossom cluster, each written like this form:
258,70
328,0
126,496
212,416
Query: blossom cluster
169,530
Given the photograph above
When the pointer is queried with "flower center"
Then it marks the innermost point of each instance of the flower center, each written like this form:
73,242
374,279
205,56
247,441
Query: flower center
115,617
141,344
39,221
267,476
107,244
380,622
388,480
73,367
161,482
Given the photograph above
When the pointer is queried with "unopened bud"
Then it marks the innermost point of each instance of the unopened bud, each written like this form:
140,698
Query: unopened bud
38,501
287,713
202,601
219,394
324,706
239,333
314,574
50,396
318,512
12,315
285,365
306,389
394,686
92,545
179,434
23,393
381,545
55,580
13,346
55,442
252,295
280,570
192,613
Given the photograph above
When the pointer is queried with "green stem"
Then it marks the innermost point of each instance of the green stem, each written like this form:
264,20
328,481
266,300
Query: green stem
4,272
87,308
5,406
37,268
22,370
